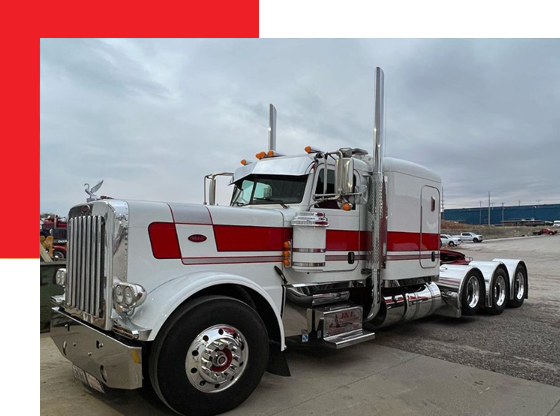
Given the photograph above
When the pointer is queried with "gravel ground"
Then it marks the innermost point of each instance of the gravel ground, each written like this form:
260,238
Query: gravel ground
523,342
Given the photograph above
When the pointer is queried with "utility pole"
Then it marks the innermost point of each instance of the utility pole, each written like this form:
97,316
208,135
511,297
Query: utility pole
520,202
480,212
488,207
502,213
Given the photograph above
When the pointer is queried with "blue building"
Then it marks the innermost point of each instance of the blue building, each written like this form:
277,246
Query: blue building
544,212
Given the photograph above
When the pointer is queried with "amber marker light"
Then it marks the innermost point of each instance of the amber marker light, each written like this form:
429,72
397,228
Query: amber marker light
260,155
243,162
347,206
270,153
286,262
307,149
287,244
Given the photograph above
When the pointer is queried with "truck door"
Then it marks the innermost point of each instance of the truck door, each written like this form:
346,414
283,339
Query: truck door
429,228
343,233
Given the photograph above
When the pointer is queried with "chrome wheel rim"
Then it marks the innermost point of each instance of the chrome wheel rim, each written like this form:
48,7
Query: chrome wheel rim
519,286
216,358
473,291
500,291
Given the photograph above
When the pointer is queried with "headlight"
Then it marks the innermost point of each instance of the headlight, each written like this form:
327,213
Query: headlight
119,295
127,296
60,277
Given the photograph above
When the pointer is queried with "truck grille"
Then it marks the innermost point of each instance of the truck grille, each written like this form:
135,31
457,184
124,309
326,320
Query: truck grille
86,259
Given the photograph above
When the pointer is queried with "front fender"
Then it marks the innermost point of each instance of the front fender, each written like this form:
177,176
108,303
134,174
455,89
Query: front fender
166,298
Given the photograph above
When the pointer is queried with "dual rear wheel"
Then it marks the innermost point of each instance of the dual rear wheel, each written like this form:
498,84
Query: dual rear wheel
472,296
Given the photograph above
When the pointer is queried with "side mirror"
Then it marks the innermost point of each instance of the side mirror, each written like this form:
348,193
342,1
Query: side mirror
344,181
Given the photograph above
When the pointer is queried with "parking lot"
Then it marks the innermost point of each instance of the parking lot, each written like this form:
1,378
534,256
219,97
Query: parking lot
521,342
436,366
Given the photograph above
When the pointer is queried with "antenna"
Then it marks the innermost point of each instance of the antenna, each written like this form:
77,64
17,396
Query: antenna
272,128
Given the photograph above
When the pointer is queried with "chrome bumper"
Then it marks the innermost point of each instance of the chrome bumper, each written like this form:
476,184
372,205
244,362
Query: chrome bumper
114,363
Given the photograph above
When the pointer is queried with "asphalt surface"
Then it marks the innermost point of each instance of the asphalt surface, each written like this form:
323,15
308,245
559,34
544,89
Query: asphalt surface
522,342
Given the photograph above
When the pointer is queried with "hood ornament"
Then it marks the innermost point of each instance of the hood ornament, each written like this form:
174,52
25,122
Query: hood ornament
91,192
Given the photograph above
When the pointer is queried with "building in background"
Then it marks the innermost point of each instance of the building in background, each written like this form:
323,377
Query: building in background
510,215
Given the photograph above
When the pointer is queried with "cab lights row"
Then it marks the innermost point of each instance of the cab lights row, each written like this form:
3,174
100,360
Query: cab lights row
273,153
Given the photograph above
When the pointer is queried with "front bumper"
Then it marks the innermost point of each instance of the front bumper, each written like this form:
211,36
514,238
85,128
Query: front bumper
113,362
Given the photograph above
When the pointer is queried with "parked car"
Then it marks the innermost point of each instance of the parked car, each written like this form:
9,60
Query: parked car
472,237
545,231
448,240
556,223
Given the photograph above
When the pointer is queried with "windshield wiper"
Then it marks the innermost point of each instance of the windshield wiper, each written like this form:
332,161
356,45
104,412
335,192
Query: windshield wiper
275,201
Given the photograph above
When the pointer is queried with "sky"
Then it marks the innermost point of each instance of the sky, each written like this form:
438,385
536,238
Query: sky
151,117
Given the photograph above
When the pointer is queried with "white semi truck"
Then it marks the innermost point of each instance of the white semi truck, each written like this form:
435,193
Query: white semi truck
318,249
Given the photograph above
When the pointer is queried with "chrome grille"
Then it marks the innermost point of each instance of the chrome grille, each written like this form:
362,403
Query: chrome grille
86,259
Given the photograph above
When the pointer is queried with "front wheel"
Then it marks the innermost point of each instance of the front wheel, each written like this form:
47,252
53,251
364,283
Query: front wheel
209,357
451,244
476,240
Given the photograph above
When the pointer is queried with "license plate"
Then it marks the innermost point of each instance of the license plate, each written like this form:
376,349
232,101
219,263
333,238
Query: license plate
88,379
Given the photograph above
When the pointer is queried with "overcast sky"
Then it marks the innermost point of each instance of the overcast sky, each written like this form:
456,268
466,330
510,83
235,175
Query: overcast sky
152,117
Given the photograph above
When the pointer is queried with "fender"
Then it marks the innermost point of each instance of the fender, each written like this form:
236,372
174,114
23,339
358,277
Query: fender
450,283
166,298
511,266
488,269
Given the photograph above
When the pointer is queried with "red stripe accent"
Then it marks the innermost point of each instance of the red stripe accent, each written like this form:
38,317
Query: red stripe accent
164,240
402,241
247,238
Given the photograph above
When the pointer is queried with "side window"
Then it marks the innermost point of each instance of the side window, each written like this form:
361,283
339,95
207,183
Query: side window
321,179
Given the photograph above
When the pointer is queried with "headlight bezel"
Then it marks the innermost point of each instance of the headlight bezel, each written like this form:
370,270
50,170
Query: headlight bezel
128,296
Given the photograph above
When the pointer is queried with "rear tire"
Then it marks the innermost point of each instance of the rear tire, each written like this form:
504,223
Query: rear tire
212,330
499,292
475,240
519,288
451,244
58,255
471,295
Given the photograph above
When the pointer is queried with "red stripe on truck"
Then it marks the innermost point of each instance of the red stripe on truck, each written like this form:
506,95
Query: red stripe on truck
164,240
246,238
402,241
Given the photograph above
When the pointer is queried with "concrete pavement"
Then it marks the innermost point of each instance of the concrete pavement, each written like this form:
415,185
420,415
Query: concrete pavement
366,379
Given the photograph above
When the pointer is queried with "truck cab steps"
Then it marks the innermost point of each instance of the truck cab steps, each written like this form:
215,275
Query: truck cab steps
349,338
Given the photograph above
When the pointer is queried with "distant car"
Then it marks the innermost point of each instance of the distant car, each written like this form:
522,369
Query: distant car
448,240
556,223
472,237
545,231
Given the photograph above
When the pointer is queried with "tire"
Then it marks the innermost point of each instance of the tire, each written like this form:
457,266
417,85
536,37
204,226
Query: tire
176,368
58,255
471,295
499,292
475,240
451,244
519,287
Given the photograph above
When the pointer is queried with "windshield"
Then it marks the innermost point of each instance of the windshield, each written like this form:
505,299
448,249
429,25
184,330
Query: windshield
269,189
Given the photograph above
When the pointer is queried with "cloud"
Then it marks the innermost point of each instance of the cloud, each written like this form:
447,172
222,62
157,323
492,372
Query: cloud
151,117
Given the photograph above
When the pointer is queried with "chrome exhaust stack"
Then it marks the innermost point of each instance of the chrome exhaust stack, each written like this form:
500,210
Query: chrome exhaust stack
272,128
377,210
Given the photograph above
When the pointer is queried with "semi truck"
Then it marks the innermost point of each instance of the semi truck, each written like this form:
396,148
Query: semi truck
316,250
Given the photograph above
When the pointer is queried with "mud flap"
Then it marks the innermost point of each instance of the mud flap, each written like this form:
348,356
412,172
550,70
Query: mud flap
277,361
